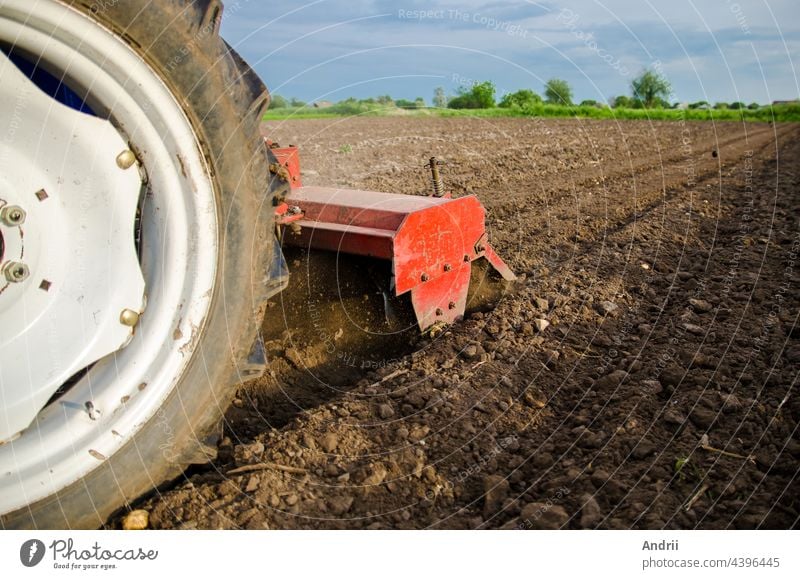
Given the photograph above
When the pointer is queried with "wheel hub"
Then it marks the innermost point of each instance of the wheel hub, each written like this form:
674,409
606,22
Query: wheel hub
70,271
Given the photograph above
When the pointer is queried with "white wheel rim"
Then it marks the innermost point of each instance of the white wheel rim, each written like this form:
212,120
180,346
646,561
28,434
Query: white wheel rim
179,250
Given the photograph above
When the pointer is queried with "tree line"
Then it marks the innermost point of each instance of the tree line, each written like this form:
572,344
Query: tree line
649,90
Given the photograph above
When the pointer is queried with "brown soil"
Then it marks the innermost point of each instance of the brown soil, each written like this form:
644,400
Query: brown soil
662,395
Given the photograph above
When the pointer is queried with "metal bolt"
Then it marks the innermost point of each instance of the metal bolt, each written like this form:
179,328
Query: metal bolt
129,318
466,259
452,305
16,271
126,159
447,267
12,215
439,312
425,277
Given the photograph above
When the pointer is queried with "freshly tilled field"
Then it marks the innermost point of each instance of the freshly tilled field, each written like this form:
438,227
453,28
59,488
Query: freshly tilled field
642,373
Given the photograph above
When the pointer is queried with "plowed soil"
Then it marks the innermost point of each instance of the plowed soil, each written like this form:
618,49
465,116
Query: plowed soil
641,374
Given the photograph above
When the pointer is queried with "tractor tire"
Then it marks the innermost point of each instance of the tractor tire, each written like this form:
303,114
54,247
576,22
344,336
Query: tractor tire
224,101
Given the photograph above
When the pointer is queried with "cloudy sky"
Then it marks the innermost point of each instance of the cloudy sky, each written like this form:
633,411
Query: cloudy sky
714,50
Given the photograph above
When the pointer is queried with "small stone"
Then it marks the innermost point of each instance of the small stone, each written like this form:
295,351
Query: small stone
541,304
591,514
543,460
470,352
496,489
671,376
136,521
599,477
674,417
291,499
694,329
731,403
419,432
533,400
308,441
542,516
700,306
377,475
607,308
252,484
541,324
385,411
340,505
653,386
643,450
702,417
611,380
329,442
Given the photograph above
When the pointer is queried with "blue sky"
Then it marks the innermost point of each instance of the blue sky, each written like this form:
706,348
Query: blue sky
714,50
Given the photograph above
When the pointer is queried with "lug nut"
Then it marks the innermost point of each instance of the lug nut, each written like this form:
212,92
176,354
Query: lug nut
452,305
16,272
447,267
12,215
129,318
126,159
425,277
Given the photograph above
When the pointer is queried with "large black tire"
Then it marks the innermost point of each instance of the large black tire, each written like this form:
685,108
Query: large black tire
224,101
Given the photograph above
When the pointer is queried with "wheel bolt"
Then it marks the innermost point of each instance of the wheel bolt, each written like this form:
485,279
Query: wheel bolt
16,271
126,159
12,215
129,318
451,305
425,277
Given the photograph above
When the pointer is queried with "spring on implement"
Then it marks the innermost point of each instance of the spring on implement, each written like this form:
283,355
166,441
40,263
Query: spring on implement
436,178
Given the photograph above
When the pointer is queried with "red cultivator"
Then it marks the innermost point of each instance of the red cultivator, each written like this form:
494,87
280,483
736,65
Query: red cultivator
431,242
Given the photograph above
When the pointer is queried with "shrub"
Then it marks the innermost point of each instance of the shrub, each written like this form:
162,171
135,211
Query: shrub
480,96
521,99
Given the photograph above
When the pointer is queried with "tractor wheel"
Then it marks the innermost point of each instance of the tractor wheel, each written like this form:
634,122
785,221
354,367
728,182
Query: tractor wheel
136,247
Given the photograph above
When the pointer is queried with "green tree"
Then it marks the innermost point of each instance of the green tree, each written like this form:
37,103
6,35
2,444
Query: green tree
385,100
278,102
754,106
700,105
521,99
737,105
589,103
558,92
439,98
480,96
296,103
419,103
721,106
621,102
405,104
650,88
